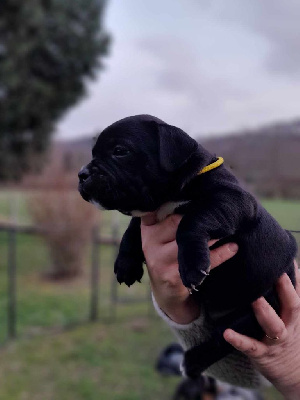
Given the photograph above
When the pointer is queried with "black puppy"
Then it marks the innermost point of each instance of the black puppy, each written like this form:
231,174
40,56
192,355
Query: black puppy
141,164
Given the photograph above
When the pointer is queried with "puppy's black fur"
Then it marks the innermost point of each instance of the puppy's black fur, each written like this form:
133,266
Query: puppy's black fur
141,163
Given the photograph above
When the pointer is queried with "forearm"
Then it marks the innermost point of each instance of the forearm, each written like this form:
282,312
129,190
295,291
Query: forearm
179,306
189,334
290,394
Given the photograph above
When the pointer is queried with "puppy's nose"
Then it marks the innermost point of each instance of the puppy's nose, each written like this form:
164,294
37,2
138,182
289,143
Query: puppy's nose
83,174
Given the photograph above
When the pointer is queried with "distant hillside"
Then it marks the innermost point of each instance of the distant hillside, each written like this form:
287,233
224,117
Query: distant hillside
266,158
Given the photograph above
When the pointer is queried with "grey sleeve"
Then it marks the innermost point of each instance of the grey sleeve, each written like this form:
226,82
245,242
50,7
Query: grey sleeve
235,368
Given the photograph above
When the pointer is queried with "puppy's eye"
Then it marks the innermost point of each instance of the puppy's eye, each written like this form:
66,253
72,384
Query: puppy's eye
121,151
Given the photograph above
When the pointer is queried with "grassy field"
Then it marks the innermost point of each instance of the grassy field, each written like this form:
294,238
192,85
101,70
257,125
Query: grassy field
112,359
95,361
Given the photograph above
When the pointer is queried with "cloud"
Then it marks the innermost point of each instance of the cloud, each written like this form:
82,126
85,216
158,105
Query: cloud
184,86
277,22
204,69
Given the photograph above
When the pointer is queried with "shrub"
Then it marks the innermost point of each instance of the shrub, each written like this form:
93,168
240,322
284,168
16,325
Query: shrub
66,222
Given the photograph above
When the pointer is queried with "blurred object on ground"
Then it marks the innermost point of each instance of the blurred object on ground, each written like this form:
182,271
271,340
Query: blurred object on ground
203,388
169,360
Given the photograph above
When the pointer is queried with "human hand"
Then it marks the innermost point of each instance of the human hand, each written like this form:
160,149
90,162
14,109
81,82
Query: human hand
160,250
277,359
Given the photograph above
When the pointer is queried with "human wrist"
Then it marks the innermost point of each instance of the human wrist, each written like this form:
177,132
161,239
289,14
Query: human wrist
287,377
288,395
179,311
291,392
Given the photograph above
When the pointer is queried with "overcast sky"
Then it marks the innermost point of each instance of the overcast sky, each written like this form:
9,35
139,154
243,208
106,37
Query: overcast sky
207,66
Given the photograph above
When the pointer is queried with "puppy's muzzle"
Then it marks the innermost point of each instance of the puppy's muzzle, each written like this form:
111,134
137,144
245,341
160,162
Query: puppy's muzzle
88,171
92,180
83,174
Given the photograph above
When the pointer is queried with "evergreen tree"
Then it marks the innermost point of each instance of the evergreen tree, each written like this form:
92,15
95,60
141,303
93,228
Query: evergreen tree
47,50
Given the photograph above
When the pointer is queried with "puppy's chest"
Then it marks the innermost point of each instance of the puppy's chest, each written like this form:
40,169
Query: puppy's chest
165,210
170,208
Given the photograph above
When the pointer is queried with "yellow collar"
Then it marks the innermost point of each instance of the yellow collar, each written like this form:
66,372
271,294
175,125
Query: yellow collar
211,166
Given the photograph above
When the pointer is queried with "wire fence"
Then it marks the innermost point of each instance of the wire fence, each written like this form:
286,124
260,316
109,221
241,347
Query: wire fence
88,305
94,282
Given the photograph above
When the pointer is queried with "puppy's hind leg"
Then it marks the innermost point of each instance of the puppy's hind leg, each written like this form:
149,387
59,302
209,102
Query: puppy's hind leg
200,357
129,263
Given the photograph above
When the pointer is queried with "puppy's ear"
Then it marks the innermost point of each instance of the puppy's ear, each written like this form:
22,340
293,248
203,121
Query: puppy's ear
175,147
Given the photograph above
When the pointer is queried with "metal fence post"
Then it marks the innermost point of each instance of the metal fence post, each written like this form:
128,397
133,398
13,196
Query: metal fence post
94,302
114,284
12,284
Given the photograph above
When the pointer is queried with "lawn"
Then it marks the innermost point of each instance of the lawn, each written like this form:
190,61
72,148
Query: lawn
112,359
96,361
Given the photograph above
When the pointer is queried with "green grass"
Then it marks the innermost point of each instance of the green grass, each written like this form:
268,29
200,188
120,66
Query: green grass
110,360
287,212
96,361
42,303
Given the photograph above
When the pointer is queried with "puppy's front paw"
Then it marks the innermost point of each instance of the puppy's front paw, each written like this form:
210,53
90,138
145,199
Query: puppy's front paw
128,270
192,278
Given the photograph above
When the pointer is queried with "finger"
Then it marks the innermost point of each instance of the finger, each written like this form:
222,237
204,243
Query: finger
249,346
297,275
222,254
289,299
268,319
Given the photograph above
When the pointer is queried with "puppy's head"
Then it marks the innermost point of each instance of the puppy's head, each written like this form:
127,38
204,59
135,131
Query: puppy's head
138,163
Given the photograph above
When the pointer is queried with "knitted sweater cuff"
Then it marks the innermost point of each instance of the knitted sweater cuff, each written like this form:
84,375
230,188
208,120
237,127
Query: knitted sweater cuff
235,368
189,335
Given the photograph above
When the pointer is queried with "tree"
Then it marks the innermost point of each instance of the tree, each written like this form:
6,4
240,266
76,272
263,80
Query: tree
48,48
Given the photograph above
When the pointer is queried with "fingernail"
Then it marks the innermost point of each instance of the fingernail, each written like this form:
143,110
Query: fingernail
228,334
258,301
233,247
